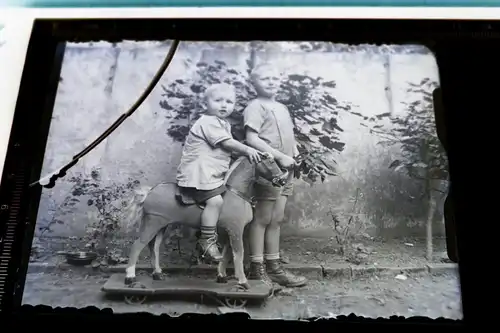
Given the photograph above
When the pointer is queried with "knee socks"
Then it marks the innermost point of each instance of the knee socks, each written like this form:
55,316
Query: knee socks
267,256
207,232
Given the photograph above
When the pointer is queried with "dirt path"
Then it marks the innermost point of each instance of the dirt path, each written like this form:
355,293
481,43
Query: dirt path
394,253
432,296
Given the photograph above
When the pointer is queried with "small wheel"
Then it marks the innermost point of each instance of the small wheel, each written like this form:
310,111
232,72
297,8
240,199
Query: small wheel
135,300
235,303
137,285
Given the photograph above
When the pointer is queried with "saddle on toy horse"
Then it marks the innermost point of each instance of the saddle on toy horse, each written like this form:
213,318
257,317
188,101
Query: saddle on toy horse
185,199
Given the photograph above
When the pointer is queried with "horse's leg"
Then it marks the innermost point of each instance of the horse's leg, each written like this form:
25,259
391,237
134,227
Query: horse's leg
154,249
149,229
236,241
151,246
157,272
135,251
222,267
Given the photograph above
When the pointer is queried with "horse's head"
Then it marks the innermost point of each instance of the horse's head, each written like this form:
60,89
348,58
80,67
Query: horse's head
268,169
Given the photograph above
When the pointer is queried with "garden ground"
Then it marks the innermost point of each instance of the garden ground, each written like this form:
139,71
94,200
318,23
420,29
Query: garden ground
312,250
381,279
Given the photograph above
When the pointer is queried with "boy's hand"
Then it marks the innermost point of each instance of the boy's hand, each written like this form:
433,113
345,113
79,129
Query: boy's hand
298,162
253,155
286,162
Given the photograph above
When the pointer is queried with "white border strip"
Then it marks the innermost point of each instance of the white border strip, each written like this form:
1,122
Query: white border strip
468,13
15,35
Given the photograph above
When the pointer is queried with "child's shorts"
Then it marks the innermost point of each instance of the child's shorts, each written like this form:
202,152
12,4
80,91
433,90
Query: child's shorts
266,191
201,196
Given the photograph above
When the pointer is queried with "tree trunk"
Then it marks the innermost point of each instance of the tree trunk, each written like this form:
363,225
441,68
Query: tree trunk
431,200
430,216
253,55
388,84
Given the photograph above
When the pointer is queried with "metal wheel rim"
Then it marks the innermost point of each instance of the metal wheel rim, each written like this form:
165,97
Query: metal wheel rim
235,303
135,299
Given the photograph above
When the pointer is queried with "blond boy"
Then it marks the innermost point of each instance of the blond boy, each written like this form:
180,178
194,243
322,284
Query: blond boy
205,160
269,128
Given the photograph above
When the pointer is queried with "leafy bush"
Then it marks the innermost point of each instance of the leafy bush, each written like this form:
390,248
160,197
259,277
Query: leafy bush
348,226
105,202
423,156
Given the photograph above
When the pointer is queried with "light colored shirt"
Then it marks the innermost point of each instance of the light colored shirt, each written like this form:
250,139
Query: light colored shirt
272,121
204,163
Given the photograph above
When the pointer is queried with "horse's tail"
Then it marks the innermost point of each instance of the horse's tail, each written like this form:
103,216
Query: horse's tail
135,209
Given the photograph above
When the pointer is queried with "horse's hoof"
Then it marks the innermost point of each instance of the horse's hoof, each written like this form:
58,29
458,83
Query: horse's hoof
243,286
158,276
239,287
195,260
130,280
222,279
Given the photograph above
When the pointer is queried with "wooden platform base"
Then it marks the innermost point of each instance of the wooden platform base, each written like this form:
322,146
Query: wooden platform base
226,294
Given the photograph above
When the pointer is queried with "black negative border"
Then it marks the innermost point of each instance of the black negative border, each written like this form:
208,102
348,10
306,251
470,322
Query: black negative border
28,138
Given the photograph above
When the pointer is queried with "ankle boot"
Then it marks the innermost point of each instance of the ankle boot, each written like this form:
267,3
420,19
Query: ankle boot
208,249
283,277
258,272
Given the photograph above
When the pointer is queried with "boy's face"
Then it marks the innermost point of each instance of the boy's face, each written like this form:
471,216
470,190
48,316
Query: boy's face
267,82
221,103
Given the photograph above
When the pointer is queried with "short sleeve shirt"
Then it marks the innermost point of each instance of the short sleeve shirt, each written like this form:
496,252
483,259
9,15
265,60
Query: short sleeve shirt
204,163
273,122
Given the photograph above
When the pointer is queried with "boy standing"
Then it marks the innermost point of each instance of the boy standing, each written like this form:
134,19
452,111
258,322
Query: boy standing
205,160
269,128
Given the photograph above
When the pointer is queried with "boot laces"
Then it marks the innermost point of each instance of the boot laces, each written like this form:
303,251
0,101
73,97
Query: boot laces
263,274
212,241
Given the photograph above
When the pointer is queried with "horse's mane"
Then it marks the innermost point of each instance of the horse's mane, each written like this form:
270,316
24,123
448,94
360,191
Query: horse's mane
233,167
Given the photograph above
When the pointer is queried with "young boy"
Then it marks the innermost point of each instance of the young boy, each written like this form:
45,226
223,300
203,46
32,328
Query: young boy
269,128
205,160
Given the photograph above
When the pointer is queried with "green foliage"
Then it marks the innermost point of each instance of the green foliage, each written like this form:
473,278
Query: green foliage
107,202
67,206
309,100
415,132
315,113
371,49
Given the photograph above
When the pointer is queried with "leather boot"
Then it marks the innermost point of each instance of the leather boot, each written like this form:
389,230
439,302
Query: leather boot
208,249
283,277
258,272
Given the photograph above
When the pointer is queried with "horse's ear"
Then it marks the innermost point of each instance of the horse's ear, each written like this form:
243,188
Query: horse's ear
266,156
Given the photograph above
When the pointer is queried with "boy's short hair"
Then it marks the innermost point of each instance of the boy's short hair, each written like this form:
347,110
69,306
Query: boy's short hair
261,68
217,87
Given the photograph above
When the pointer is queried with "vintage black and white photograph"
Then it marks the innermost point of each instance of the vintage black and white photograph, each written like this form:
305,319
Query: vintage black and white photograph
283,179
